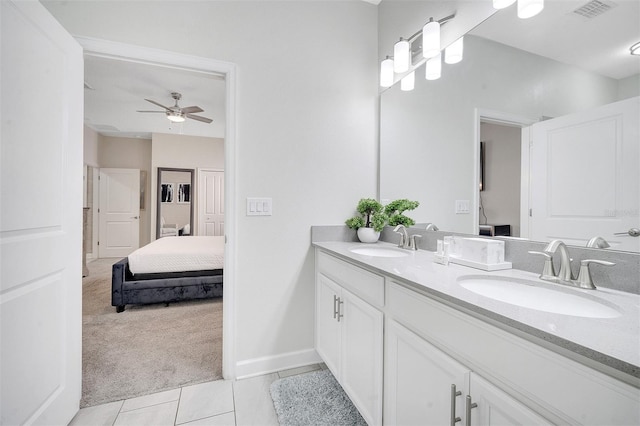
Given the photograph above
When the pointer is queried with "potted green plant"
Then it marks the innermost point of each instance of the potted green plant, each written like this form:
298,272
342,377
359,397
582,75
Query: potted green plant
370,221
395,212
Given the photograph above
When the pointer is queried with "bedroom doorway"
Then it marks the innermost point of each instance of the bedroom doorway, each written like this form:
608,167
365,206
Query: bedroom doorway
118,51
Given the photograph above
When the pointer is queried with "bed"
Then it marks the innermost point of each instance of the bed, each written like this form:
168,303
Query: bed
169,269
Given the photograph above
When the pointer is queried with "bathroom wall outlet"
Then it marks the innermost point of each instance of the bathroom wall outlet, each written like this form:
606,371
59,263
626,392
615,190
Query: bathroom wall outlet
462,206
259,206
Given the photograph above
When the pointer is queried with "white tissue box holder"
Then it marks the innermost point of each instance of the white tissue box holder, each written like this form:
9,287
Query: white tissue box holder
479,253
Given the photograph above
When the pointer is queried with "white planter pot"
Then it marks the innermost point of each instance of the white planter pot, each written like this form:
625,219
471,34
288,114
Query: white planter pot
368,235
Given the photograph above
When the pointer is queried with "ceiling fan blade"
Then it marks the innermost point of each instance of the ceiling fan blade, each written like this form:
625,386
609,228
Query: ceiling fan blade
163,112
160,105
191,109
199,118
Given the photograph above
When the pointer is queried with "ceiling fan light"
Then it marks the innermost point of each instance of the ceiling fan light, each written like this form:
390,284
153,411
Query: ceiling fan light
386,73
175,118
529,8
501,4
401,56
453,53
408,82
635,49
434,67
431,39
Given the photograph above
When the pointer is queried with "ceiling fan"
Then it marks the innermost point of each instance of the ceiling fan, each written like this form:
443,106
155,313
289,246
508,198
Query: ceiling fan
178,114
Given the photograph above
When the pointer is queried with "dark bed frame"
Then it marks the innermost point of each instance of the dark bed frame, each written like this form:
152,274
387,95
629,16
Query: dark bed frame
127,289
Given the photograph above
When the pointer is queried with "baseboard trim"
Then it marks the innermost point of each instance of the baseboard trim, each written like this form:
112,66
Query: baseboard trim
270,364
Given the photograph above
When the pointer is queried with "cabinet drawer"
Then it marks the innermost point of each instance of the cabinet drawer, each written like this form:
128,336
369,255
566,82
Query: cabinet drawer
365,284
566,390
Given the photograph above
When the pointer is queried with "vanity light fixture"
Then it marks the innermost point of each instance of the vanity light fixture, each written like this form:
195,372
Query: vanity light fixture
431,39
501,4
401,56
635,49
453,53
386,72
408,82
434,67
529,8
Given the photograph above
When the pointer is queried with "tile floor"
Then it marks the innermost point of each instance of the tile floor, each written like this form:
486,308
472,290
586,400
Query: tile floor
219,403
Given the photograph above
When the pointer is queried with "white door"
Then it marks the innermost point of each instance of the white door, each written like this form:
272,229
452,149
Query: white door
497,408
419,379
210,202
119,212
41,217
585,178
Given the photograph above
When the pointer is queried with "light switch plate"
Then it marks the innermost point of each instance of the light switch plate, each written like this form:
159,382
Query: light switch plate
259,206
462,206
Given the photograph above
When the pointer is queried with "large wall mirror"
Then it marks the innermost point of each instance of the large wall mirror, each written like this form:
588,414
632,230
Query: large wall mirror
430,137
175,202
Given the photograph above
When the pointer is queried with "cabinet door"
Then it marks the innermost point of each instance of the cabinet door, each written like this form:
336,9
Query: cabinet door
361,375
327,325
418,381
495,407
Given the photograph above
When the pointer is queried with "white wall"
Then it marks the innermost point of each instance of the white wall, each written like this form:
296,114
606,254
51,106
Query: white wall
629,87
306,133
90,146
182,152
501,195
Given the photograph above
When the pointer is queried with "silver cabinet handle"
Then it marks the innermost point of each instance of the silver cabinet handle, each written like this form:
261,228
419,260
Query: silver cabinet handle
340,302
634,232
335,306
454,393
470,405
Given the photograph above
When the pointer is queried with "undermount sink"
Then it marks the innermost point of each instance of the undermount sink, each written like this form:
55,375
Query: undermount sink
530,294
378,251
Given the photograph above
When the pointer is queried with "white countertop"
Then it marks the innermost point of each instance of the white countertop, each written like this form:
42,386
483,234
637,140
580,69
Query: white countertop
610,342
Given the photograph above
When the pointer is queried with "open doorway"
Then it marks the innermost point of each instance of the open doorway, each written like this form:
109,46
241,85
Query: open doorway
106,51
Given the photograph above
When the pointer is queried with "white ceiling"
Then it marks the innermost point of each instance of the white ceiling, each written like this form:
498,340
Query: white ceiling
600,44
119,90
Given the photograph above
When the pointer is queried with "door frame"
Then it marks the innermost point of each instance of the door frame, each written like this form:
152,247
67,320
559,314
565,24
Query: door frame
162,58
504,119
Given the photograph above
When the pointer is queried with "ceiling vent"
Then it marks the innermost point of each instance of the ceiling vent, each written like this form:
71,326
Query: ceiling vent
594,8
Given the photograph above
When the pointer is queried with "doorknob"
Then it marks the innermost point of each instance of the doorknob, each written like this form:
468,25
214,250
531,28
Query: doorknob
135,217
634,232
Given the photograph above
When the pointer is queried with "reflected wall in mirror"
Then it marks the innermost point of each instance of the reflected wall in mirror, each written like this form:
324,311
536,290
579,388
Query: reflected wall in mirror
174,202
430,137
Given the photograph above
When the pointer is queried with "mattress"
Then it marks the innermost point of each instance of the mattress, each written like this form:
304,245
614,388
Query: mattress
178,254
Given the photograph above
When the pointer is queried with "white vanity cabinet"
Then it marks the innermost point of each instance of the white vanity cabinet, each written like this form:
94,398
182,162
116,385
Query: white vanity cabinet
349,331
425,386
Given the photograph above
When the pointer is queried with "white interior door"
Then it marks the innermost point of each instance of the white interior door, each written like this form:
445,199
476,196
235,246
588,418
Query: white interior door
210,202
119,212
585,178
41,217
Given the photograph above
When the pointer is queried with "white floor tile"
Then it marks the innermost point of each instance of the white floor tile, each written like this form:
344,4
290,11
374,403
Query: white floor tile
99,415
205,400
156,415
300,370
152,399
253,401
226,419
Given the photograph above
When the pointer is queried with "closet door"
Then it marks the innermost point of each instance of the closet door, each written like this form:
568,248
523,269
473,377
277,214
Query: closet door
210,202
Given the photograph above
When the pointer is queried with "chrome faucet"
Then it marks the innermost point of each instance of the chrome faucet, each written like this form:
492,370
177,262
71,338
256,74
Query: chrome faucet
598,242
564,275
406,242
431,227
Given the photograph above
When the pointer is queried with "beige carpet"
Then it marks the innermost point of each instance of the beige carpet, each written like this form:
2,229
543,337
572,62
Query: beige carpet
144,349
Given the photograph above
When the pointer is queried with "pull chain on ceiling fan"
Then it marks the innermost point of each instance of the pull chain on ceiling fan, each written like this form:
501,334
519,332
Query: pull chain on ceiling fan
178,114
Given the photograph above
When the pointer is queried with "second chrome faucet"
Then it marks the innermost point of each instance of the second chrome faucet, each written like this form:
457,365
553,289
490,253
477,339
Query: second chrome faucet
564,275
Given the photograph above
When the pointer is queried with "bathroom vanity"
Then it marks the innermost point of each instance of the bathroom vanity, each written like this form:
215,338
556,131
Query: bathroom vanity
414,342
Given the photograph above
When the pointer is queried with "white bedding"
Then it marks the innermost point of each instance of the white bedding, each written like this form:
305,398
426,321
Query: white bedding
178,254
